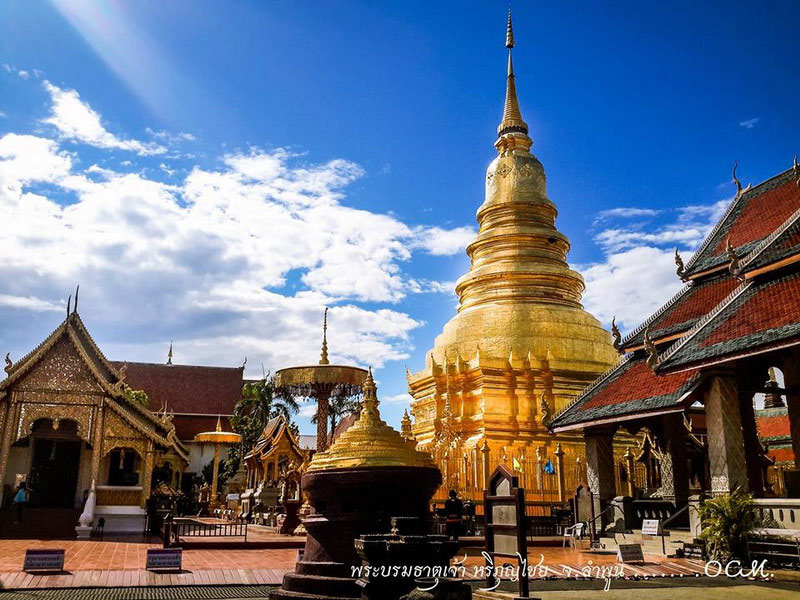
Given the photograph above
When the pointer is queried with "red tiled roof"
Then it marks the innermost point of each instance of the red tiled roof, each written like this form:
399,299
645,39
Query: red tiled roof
772,305
761,315
638,383
186,426
682,312
782,455
773,423
186,389
761,216
631,388
753,216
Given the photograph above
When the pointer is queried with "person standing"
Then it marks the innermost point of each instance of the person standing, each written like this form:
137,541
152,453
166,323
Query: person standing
453,508
20,500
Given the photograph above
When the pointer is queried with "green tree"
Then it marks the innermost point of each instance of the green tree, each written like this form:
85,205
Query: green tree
258,405
208,474
339,407
135,396
727,522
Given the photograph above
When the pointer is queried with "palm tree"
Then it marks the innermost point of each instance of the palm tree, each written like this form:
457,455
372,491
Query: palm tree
339,407
258,405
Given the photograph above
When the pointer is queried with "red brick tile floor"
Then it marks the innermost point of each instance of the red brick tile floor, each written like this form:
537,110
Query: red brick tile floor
119,562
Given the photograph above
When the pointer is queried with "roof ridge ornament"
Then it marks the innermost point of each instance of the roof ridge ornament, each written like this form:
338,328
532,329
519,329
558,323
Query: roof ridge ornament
736,179
169,353
735,260
77,289
739,189
617,335
796,169
9,364
681,271
651,349
69,305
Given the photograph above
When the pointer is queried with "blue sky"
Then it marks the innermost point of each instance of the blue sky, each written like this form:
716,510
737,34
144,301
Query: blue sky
214,173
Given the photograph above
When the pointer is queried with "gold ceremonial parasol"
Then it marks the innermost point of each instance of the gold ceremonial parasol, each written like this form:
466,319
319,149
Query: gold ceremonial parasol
320,383
217,438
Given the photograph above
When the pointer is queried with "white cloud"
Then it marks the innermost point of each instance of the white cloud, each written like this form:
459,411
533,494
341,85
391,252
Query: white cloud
76,120
749,123
625,213
233,262
29,303
24,74
638,274
444,242
396,399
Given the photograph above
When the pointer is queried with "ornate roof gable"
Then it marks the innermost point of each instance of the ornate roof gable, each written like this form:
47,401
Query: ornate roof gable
72,329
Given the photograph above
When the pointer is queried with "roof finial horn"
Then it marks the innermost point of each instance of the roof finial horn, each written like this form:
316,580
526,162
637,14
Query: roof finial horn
75,308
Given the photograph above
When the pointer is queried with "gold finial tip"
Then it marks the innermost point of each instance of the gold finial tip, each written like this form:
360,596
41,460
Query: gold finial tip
509,32
219,422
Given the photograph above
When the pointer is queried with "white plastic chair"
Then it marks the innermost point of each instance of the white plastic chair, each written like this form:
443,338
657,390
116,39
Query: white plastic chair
572,533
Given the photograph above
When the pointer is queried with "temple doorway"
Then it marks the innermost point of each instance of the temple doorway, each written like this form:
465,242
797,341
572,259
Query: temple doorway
55,464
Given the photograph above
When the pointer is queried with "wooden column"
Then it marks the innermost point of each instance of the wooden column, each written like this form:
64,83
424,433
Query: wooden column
674,471
725,436
791,379
97,441
9,424
147,472
487,472
562,492
600,470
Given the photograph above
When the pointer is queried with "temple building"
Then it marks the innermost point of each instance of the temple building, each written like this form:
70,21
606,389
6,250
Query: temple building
70,417
521,346
194,397
712,350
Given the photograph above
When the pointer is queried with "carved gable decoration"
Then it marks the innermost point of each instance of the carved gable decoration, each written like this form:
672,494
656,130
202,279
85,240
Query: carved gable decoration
61,368
32,412
118,434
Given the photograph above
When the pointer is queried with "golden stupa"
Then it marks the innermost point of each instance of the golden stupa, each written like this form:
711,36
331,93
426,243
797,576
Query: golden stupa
521,346
370,442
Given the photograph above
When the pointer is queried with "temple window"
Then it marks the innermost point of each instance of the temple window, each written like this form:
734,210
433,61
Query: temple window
122,467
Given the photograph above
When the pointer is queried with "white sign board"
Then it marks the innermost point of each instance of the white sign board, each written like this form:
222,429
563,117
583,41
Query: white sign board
164,559
629,553
651,527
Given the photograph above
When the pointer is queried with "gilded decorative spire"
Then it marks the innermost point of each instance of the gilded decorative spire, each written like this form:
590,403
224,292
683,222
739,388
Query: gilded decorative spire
512,116
370,442
219,422
323,360
405,426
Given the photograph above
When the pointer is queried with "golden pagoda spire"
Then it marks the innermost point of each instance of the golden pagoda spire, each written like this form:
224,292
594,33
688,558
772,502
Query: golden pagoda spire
512,122
324,356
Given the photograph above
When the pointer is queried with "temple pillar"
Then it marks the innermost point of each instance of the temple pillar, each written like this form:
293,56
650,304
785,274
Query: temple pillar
562,482
674,468
630,465
97,442
791,381
753,450
600,466
147,472
9,424
725,437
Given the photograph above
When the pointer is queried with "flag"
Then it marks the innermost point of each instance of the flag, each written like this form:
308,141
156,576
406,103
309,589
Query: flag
549,468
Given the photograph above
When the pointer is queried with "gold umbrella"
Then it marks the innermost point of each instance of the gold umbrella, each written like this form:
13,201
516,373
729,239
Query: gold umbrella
217,438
